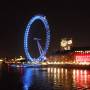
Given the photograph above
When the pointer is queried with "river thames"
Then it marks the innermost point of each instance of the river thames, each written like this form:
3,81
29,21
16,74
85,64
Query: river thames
51,78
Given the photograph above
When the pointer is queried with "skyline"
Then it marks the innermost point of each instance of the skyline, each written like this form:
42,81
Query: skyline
66,19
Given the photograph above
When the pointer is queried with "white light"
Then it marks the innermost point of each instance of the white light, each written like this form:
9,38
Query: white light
63,43
69,41
1,60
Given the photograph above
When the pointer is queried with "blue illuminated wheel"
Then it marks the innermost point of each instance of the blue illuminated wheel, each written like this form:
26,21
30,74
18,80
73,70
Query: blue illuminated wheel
27,31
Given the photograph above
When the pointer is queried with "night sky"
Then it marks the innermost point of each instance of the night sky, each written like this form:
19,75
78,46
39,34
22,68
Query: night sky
67,18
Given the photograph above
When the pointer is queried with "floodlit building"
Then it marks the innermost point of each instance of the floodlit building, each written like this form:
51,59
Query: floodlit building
66,43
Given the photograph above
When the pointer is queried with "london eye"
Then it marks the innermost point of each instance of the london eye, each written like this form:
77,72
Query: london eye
42,51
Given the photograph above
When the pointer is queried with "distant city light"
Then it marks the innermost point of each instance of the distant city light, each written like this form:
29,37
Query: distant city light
1,60
21,58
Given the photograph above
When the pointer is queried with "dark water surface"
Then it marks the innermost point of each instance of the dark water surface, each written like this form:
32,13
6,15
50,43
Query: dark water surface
44,78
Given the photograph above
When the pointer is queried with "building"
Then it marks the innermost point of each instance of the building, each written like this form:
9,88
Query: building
66,43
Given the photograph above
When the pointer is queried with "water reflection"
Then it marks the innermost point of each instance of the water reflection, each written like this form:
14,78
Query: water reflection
27,78
69,79
81,78
44,79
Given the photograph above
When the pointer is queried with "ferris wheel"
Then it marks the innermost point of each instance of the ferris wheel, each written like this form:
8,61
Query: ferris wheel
42,51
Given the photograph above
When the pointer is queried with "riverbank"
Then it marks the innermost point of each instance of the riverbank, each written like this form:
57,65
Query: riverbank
68,66
76,66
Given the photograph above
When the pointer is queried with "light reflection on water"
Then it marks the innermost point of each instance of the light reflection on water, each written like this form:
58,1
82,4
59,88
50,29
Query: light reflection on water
58,78
46,79
62,78
69,79
27,78
81,78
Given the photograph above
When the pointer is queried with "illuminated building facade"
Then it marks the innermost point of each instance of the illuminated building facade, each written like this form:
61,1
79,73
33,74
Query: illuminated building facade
66,43
82,56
